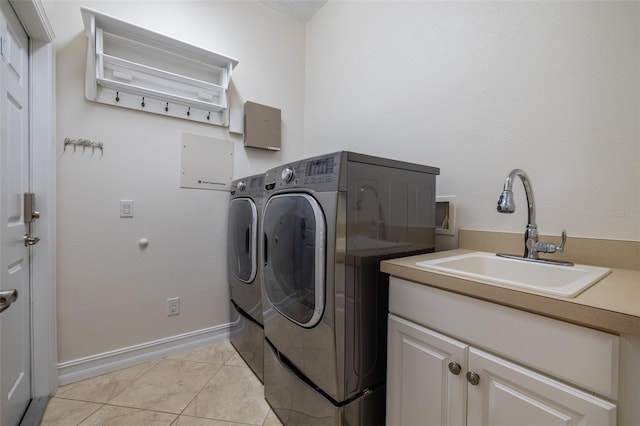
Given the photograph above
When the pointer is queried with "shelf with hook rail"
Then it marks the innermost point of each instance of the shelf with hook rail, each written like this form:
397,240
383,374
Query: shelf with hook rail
132,67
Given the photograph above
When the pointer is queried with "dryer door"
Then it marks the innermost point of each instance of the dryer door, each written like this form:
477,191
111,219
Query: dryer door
294,257
242,239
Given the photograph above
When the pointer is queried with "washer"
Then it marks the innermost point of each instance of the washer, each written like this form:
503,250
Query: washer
328,222
245,208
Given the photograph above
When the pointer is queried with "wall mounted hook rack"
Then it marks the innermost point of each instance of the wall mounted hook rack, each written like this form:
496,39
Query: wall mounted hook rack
84,143
128,63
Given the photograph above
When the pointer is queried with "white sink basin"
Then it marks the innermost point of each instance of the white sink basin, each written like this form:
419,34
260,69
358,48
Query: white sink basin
559,280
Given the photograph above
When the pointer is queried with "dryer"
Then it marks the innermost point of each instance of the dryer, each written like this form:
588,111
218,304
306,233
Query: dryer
245,208
327,223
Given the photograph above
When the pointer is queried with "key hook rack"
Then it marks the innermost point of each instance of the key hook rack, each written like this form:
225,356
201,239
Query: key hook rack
84,143
144,103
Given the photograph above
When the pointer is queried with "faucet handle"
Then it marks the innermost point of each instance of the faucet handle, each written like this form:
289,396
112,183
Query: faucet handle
564,240
550,247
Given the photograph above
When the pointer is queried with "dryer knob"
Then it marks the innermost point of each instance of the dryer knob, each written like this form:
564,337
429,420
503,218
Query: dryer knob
287,174
242,186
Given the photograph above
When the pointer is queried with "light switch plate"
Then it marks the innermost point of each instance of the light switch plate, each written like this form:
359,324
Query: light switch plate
126,208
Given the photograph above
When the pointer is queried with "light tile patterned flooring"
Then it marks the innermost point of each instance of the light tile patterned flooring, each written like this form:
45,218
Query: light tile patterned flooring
210,386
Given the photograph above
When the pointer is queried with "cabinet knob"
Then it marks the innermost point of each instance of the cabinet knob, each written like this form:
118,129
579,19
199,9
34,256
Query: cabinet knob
455,368
473,378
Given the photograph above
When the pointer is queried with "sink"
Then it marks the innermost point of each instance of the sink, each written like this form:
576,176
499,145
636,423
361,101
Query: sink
557,280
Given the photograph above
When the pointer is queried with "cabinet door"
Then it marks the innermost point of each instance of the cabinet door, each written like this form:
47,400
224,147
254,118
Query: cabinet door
508,394
421,389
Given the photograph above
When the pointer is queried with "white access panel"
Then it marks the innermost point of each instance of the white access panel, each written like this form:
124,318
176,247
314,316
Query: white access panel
207,163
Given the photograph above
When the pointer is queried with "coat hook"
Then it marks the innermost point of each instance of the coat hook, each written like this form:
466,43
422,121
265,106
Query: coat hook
97,145
189,112
117,96
166,107
142,102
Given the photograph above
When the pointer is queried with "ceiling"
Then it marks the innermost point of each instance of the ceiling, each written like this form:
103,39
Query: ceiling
301,10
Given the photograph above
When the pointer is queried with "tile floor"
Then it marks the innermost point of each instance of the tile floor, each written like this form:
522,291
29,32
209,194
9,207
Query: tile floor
210,386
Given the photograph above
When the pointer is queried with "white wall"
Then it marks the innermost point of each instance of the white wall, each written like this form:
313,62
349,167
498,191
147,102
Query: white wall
480,88
474,88
111,294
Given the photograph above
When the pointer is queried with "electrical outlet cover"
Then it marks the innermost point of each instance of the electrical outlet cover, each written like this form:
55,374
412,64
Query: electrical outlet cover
173,306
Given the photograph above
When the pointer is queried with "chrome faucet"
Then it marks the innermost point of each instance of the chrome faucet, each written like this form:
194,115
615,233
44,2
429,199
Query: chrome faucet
531,244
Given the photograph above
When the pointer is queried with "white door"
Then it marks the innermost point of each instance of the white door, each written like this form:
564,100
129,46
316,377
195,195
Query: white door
426,382
507,394
15,344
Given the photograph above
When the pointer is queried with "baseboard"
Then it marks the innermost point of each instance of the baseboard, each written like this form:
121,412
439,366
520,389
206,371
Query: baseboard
106,362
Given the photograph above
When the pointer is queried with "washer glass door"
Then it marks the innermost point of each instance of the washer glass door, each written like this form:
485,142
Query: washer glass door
242,239
294,257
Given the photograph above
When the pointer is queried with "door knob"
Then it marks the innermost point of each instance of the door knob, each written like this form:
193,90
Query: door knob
7,297
30,241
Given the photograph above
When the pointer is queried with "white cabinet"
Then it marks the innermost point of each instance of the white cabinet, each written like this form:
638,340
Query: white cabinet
509,394
421,389
431,375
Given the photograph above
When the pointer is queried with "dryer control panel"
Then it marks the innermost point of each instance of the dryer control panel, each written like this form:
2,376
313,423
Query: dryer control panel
252,186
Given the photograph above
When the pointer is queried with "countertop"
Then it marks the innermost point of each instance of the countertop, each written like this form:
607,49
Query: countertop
612,304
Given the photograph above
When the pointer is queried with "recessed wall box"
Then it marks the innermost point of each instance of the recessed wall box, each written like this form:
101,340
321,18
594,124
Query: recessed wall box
133,67
446,215
262,126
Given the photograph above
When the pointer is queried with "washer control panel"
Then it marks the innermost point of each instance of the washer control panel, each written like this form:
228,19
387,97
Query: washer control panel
319,166
318,173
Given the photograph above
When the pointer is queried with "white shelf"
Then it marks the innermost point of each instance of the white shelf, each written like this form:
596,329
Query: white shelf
132,67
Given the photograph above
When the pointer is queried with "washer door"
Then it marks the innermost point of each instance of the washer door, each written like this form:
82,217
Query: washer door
294,257
243,239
